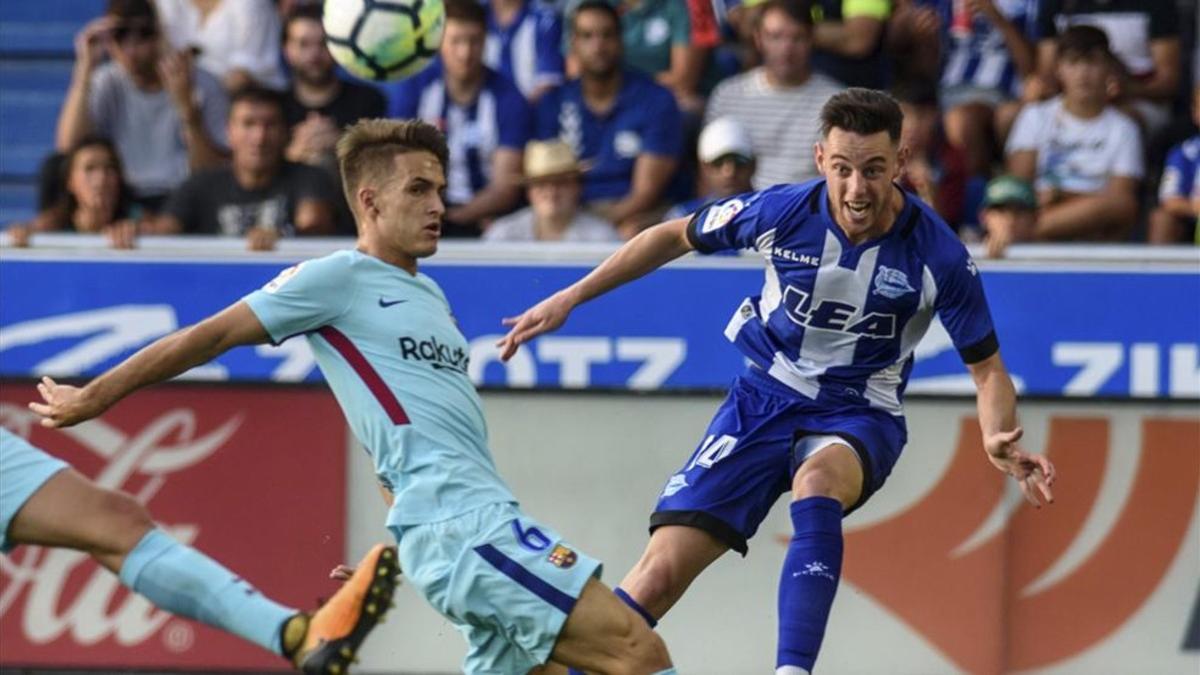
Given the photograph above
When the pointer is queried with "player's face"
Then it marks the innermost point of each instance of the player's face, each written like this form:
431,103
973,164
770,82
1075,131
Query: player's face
859,171
785,45
410,206
256,135
306,53
462,49
596,43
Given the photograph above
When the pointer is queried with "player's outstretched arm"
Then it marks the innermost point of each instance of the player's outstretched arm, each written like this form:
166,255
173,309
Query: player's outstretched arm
650,249
997,405
63,405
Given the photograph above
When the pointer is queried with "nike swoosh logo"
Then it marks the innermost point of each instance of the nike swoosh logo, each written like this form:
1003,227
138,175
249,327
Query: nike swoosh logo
389,303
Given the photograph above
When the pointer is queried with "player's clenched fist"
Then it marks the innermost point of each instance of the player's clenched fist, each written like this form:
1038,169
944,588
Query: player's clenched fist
63,405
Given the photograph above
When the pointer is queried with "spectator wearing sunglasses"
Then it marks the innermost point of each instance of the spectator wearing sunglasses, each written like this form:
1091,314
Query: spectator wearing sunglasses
165,116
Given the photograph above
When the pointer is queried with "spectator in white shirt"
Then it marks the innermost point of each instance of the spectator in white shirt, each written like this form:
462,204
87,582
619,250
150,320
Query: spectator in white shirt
1082,154
236,40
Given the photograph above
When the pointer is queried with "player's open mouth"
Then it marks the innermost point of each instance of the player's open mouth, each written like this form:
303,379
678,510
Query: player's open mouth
858,209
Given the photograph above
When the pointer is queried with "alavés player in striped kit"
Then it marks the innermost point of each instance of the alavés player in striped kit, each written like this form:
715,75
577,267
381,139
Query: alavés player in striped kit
387,343
855,271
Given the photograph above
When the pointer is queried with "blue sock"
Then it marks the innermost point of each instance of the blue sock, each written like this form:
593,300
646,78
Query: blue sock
627,599
184,581
809,581
633,604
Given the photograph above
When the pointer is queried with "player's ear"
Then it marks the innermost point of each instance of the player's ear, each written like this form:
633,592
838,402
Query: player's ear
365,196
819,156
902,156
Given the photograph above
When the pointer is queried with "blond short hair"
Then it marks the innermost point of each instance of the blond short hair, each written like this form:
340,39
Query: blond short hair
366,149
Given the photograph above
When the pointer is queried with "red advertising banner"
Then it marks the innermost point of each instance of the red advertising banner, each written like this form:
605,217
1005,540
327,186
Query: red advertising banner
252,476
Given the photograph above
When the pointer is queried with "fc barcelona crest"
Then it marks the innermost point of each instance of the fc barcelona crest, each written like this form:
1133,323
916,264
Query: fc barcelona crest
562,557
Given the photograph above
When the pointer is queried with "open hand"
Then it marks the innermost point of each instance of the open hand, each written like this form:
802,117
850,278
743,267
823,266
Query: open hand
63,405
543,317
1034,473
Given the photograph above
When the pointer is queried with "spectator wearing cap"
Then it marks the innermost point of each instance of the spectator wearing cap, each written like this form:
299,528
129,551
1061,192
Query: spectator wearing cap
235,40
1083,155
486,120
1174,220
165,116
779,103
553,185
1009,213
624,125
726,165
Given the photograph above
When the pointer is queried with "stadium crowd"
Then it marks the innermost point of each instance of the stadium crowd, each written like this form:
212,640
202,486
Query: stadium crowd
1025,120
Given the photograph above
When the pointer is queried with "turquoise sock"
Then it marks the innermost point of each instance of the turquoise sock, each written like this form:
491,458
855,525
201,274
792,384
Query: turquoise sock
668,671
184,581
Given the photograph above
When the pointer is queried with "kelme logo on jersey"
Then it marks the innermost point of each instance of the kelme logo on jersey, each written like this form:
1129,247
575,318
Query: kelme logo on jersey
834,315
438,355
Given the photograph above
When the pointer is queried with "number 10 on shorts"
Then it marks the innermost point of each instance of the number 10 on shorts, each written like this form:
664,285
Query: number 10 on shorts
712,450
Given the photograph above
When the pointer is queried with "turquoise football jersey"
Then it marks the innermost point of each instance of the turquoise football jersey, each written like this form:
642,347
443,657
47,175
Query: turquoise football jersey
389,347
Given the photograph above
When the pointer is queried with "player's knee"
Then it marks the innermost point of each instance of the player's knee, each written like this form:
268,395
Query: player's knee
823,481
123,521
654,580
641,651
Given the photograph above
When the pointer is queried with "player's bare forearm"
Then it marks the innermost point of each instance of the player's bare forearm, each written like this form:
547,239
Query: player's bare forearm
647,251
996,399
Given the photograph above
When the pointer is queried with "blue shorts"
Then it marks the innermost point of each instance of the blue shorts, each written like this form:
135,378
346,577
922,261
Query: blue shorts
752,448
505,580
24,469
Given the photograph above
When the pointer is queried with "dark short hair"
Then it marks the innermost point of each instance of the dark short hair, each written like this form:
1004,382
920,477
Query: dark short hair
132,9
1082,41
862,111
596,6
468,11
301,12
254,93
799,11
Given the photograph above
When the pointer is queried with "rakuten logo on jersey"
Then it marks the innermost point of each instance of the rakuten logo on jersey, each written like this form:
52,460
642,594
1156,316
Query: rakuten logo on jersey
440,356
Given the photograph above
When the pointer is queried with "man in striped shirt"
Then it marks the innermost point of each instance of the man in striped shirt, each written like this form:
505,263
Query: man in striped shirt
523,44
779,102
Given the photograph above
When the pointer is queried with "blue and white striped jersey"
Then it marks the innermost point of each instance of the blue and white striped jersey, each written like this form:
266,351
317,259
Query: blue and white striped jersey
528,51
838,322
980,58
498,117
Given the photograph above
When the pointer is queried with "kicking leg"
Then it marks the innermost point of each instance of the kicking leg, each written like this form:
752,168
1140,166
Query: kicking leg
674,557
825,485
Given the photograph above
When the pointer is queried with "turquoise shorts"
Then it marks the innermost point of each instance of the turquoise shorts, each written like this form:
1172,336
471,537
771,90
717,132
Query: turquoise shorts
505,580
23,471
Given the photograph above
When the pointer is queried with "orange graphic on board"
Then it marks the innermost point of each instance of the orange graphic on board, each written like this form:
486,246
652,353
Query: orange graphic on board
976,605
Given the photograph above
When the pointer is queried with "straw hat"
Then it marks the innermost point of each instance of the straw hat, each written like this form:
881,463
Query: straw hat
548,159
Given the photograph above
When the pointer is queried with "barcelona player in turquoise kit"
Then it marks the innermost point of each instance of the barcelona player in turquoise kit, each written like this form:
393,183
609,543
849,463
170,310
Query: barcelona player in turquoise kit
385,339
855,271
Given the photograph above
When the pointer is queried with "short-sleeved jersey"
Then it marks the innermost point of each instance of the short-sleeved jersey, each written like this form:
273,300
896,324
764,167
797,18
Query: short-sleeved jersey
1180,170
838,322
499,117
979,57
644,119
526,51
397,364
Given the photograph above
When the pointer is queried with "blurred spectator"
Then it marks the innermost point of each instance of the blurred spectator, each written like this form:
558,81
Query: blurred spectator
1009,214
485,118
1084,156
318,104
934,169
625,126
1174,220
913,42
656,35
1144,35
236,40
779,102
524,41
727,165
989,51
164,116
848,40
553,185
94,197
260,196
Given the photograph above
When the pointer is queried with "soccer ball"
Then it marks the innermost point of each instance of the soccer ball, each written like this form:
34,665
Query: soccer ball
380,41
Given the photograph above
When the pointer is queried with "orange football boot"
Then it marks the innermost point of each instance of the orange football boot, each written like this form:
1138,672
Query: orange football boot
338,628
